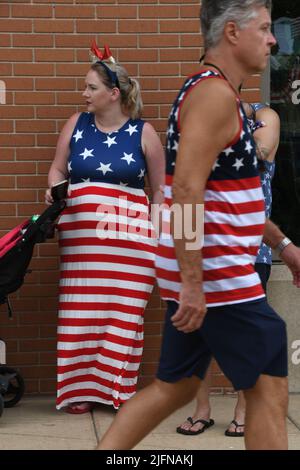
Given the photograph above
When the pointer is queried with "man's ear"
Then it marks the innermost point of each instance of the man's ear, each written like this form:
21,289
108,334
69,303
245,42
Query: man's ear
232,32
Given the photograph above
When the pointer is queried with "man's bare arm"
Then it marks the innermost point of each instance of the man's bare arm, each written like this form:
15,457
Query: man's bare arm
209,121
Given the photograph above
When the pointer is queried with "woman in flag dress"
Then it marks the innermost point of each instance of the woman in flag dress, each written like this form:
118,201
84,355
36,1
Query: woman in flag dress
107,241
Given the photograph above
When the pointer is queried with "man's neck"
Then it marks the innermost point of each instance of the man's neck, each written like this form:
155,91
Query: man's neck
231,71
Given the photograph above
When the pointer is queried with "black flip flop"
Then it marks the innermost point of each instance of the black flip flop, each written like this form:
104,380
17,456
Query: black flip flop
235,433
188,432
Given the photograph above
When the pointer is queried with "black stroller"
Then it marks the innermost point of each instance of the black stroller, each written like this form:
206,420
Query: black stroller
16,248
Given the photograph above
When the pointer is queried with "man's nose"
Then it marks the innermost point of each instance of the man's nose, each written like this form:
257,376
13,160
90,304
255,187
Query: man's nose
272,40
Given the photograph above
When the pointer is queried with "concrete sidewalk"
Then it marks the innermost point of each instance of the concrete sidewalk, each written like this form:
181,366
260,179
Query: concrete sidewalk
34,424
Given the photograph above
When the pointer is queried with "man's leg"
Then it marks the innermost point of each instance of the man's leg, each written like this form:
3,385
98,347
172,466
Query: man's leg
266,412
142,413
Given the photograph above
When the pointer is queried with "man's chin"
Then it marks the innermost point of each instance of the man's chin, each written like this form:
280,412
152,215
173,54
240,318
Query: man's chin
259,69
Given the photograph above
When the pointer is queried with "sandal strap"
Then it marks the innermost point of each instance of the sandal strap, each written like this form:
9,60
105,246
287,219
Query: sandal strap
202,421
190,420
237,425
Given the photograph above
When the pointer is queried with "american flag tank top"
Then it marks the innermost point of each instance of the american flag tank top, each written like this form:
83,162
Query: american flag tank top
234,216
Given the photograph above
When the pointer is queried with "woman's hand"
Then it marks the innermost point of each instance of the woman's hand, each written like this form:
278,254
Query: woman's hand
48,198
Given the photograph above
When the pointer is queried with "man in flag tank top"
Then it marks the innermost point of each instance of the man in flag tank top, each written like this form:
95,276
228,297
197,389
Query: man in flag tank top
264,124
216,303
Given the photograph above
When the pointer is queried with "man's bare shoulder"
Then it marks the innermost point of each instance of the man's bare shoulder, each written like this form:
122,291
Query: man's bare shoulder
211,94
212,100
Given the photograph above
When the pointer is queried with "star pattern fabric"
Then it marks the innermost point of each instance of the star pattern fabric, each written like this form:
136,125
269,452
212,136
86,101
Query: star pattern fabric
107,247
228,164
232,229
115,157
266,176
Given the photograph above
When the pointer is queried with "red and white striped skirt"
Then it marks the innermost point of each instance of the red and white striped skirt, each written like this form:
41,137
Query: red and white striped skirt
108,248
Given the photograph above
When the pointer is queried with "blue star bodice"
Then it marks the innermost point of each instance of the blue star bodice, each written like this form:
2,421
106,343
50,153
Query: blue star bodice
115,157
264,254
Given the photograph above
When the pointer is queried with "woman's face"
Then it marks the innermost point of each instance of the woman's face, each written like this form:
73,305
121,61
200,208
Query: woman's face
96,94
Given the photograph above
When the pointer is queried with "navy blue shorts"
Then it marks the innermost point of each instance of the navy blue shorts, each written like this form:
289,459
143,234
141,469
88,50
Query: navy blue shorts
264,271
246,339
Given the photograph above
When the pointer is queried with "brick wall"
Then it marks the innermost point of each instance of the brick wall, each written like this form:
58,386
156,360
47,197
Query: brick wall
43,60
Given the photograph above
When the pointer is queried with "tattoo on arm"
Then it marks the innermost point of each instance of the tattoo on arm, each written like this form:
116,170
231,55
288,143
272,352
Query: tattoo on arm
262,152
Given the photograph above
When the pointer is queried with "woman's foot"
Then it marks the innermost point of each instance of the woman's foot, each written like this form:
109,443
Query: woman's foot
196,424
235,429
79,408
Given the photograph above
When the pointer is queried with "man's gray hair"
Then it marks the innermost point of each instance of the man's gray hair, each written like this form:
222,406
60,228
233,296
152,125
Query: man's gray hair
216,13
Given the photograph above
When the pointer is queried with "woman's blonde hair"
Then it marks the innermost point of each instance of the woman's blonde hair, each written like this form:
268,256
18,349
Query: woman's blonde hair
131,99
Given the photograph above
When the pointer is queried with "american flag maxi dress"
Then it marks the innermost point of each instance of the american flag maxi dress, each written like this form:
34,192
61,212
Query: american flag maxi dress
107,246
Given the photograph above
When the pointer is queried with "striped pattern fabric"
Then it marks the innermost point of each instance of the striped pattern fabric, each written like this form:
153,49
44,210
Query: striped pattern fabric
234,217
107,274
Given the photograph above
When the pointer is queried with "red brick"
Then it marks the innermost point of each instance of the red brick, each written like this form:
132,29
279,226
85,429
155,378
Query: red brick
14,332
32,181
33,40
5,69
38,97
19,83
17,195
8,209
48,386
5,40
19,55
55,55
39,317
251,95
23,358
37,345
37,372
159,40
96,26
46,140
189,11
184,26
32,386
116,11
48,357
53,26
36,126
34,154
11,25
34,69
16,112
4,10
6,126
55,84
74,11
31,11
158,11
138,26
